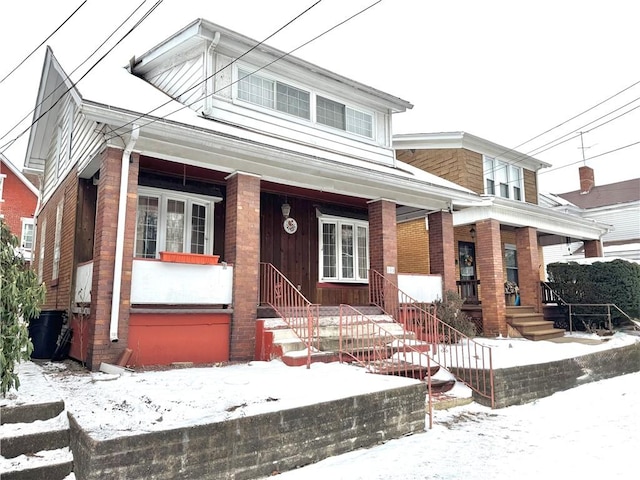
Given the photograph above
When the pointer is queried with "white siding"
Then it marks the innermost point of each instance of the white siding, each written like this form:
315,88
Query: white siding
625,220
183,81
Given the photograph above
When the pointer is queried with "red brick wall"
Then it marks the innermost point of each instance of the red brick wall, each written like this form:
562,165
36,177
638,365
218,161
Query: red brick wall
18,201
383,238
242,249
442,248
489,258
593,248
528,267
413,247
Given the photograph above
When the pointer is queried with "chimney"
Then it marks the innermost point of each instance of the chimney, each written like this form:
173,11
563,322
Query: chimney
587,181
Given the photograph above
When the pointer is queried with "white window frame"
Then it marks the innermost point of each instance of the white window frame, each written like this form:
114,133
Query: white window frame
512,248
2,177
339,222
189,199
55,273
312,101
43,236
510,186
27,222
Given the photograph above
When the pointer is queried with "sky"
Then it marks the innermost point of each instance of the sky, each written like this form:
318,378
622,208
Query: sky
501,70
595,426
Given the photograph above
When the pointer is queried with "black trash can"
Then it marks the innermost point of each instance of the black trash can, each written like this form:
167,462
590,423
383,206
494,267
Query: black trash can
44,332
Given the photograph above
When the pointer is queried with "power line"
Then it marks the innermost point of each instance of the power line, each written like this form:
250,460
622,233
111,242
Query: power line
591,158
43,42
257,70
4,147
67,77
212,75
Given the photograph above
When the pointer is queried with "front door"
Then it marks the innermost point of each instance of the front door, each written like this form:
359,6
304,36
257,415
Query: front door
467,263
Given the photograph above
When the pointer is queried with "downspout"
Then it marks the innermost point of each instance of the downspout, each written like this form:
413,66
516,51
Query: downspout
209,71
120,231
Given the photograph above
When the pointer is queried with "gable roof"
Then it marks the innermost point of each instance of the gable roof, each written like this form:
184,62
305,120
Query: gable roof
6,163
606,195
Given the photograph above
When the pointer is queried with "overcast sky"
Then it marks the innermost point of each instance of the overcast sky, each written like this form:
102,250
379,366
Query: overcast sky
505,71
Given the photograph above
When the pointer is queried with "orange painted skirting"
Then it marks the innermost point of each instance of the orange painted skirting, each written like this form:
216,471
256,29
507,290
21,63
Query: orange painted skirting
196,258
164,338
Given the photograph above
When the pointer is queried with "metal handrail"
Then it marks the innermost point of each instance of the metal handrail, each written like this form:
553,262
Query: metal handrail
290,304
608,306
470,361
369,344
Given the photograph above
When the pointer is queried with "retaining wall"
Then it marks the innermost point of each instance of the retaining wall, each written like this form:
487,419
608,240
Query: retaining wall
255,446
518,385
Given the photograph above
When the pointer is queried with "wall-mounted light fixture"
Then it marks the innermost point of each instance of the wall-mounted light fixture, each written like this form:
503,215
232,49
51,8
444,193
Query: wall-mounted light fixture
286,210
473,232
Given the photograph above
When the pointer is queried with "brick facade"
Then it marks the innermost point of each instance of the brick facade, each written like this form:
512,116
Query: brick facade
528,267
413,247
442,249
593,249
242,249
490,266
17,202
383,238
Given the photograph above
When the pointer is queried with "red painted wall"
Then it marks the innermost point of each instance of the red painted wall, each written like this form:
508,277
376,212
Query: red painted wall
18,202
164,338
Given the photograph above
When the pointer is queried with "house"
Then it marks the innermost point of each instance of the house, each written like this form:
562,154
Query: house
489,244
617,204
236,159
18,201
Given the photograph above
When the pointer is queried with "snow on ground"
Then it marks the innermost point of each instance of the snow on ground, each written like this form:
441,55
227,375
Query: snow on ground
588,429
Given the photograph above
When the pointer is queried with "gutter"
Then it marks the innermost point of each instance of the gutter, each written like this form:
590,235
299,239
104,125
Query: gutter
209,71
120,232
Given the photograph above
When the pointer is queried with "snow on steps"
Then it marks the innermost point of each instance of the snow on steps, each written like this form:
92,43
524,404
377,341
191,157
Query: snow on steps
34,435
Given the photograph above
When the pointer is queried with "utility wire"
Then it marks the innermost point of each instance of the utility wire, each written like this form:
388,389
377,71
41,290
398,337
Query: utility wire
174,98
43,42
4,147
67,77
591,158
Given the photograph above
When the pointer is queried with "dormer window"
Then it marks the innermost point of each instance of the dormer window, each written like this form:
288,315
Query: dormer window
273,94
503,179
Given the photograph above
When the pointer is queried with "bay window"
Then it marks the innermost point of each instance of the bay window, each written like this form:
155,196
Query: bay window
174,222
344,250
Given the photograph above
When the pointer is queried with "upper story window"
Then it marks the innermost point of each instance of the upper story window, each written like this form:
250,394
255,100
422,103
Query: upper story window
502,179
174,222
344,250
26,237
282,97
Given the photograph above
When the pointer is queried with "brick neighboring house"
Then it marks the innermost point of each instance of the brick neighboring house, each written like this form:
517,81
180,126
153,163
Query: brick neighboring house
477,249
190,151
18,203
617,204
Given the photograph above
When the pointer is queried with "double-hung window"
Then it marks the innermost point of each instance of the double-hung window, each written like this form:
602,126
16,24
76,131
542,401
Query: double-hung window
26,238
340,116
502,179
344,250
174,222
273,94
511,262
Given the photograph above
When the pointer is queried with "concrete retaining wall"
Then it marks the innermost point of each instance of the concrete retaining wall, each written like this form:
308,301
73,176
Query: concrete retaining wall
518,385
255,446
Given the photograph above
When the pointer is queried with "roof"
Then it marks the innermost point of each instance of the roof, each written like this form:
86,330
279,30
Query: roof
606,195
442,140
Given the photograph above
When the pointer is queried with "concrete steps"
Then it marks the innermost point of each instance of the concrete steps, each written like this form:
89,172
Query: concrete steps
531,324
34,436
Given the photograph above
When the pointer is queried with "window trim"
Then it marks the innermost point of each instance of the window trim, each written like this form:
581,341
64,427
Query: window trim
164,195
27,221
513,186
57,243
339,222
511,247
312,104
43,238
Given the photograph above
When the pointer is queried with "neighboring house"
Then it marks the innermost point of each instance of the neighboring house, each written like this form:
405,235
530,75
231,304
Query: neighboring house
267,159
489,244
617,204
18,202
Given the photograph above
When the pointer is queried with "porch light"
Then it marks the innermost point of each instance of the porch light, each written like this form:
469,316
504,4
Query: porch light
286,209
473,232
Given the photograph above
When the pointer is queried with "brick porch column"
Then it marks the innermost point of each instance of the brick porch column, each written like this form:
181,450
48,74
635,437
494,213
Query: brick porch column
442,249
490,271
100,348
242,249
593,248
383,238
528,267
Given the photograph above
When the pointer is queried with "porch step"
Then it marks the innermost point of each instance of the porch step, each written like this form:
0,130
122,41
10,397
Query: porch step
532,325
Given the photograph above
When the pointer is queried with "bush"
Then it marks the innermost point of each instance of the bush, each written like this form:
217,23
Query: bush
21,297
449,310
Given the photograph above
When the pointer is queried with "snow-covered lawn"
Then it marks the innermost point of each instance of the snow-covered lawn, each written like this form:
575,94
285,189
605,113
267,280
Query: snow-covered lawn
592,428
